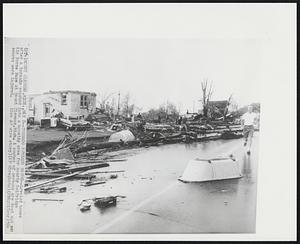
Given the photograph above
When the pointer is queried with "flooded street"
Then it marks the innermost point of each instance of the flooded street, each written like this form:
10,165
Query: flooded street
156,202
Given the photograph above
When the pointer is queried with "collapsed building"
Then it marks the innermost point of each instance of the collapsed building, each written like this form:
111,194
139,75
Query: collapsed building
71,104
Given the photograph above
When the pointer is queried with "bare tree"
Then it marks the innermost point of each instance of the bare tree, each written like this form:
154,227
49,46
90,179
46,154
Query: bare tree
206,94
127,107
112,106
171,109
137,109
103,99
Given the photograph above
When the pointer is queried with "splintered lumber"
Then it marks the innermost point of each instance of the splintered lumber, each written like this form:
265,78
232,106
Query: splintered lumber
29,165
211,138
80,168
117,160
98,146
46,170
91,183
222,130
103,145
109,171
53,180
152,140
52,189
46,199
52,175
174,135
86,160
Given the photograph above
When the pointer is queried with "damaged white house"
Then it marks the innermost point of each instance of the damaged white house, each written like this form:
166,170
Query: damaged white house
72,104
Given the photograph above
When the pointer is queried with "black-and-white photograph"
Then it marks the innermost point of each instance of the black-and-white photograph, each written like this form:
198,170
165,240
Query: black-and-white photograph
142,136
174,122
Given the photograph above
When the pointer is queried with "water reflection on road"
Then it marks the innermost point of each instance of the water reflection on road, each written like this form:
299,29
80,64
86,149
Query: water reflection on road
247,168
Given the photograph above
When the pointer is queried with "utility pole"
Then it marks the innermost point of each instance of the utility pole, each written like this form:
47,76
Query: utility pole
118,104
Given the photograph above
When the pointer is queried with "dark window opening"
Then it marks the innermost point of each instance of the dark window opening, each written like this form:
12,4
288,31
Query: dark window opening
83,101
63,99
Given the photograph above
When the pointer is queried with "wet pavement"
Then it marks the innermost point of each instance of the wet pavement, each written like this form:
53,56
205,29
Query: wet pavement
156,202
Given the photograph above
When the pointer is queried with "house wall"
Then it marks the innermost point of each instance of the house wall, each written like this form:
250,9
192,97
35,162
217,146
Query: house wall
54,100
76,107
71,108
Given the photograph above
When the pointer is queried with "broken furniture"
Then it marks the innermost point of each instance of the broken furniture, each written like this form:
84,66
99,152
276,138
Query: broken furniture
85,206
104,202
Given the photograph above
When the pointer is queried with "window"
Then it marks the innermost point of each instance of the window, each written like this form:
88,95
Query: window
64,99
83,101
47,109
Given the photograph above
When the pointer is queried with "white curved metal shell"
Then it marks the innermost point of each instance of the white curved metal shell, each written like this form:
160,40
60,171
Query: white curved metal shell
124,135
200,170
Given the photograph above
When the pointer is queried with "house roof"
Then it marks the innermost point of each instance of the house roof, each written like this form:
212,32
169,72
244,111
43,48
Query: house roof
71,91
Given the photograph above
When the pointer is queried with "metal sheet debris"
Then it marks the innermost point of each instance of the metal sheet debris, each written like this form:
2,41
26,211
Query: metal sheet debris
201,170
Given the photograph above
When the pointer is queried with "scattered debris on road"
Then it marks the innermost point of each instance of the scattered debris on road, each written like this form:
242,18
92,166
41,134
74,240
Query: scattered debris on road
52,189
46,199
93,182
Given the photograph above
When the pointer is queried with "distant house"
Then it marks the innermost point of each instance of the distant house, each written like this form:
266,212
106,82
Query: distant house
217,108
71,104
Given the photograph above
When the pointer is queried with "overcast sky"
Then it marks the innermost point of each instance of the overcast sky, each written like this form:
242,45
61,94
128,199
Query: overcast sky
153,71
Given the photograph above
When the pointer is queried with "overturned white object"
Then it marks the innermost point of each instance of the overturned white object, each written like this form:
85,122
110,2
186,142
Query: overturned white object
124,135
66,122
200,170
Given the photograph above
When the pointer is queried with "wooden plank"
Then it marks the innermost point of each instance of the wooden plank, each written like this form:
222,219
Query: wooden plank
80,168
103,145
47,199
53,180
109,171
51,175
87,160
